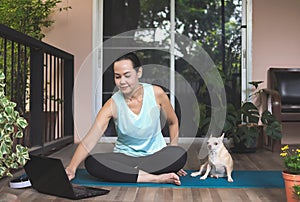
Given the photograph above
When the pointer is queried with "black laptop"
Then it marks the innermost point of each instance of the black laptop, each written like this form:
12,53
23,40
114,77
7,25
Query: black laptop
48,176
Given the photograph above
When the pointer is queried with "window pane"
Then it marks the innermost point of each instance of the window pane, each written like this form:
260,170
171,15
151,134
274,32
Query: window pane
215,26
124,15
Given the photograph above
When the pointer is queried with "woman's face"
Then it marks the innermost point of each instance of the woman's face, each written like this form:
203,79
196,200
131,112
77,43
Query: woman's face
126,77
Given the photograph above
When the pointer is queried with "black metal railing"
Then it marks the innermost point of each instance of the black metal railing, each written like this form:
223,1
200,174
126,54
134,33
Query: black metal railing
39,78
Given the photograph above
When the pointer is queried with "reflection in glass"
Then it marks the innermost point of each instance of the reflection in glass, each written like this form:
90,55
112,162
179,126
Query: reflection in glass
213,24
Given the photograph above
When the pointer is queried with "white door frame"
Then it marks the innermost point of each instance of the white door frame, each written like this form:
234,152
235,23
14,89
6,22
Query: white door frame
246,72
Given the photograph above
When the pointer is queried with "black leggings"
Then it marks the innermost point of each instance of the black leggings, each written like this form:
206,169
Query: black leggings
118,167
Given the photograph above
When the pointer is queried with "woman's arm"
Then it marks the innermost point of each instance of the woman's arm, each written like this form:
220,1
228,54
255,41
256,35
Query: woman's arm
172,120
92,137
163,100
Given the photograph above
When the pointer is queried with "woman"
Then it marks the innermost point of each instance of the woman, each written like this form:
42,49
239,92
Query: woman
140,153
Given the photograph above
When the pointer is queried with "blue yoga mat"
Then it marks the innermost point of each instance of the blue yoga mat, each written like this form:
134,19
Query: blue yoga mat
242,179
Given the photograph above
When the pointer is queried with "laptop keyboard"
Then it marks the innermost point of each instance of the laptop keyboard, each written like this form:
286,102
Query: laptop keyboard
80,191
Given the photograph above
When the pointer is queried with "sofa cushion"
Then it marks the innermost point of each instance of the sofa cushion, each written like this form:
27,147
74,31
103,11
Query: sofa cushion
288,85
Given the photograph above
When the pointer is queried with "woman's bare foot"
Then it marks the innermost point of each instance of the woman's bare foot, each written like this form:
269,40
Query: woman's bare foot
170,178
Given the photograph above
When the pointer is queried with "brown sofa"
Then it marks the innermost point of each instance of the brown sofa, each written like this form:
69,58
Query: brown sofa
283,99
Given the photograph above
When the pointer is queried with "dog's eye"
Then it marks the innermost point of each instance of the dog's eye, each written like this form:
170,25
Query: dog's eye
215,143
207,142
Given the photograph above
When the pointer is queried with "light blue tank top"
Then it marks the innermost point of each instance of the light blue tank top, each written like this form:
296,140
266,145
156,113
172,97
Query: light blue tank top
138,135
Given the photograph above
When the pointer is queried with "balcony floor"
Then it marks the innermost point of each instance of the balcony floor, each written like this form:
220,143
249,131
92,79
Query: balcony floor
261,160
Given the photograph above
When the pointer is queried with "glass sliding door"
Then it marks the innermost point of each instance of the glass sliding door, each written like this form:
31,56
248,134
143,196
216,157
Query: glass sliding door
213,25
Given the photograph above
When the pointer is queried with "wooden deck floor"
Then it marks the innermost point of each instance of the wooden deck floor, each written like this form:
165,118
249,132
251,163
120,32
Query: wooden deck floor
261,160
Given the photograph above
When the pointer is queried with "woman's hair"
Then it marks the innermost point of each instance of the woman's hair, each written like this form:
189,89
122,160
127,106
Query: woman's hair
133,58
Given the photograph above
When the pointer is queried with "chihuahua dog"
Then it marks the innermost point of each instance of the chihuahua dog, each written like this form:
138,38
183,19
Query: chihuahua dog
219,163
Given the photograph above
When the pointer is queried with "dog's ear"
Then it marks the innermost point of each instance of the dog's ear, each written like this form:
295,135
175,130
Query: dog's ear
210,136
222,136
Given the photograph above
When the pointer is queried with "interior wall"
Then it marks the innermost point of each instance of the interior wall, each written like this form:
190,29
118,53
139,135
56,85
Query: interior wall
276,36
72,32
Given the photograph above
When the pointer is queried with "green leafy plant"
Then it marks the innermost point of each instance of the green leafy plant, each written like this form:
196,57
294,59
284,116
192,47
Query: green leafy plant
243,125
12,125
28,16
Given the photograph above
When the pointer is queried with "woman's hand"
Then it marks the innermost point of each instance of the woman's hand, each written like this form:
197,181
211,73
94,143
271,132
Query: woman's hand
70,173
181,172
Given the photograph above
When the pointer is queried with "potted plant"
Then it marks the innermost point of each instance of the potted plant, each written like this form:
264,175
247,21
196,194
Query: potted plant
12,154
291,173
245,125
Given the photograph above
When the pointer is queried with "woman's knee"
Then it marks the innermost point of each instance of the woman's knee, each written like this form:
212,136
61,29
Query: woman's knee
176,151
89,161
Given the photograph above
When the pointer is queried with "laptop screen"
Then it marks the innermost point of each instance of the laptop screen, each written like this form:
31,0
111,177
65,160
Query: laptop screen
47,175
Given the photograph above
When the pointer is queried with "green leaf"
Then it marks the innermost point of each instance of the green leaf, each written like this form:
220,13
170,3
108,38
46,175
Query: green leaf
14,165
9,127
267,117
19,148
2,76
7,139
249,113
274,130
22,154
2,171
21,160
22,122
2,118
12,104
3,148
18,134
16,114
4,101
9,110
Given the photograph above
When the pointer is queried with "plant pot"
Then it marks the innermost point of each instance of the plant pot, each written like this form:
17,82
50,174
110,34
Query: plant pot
249,138
241,147
290,180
